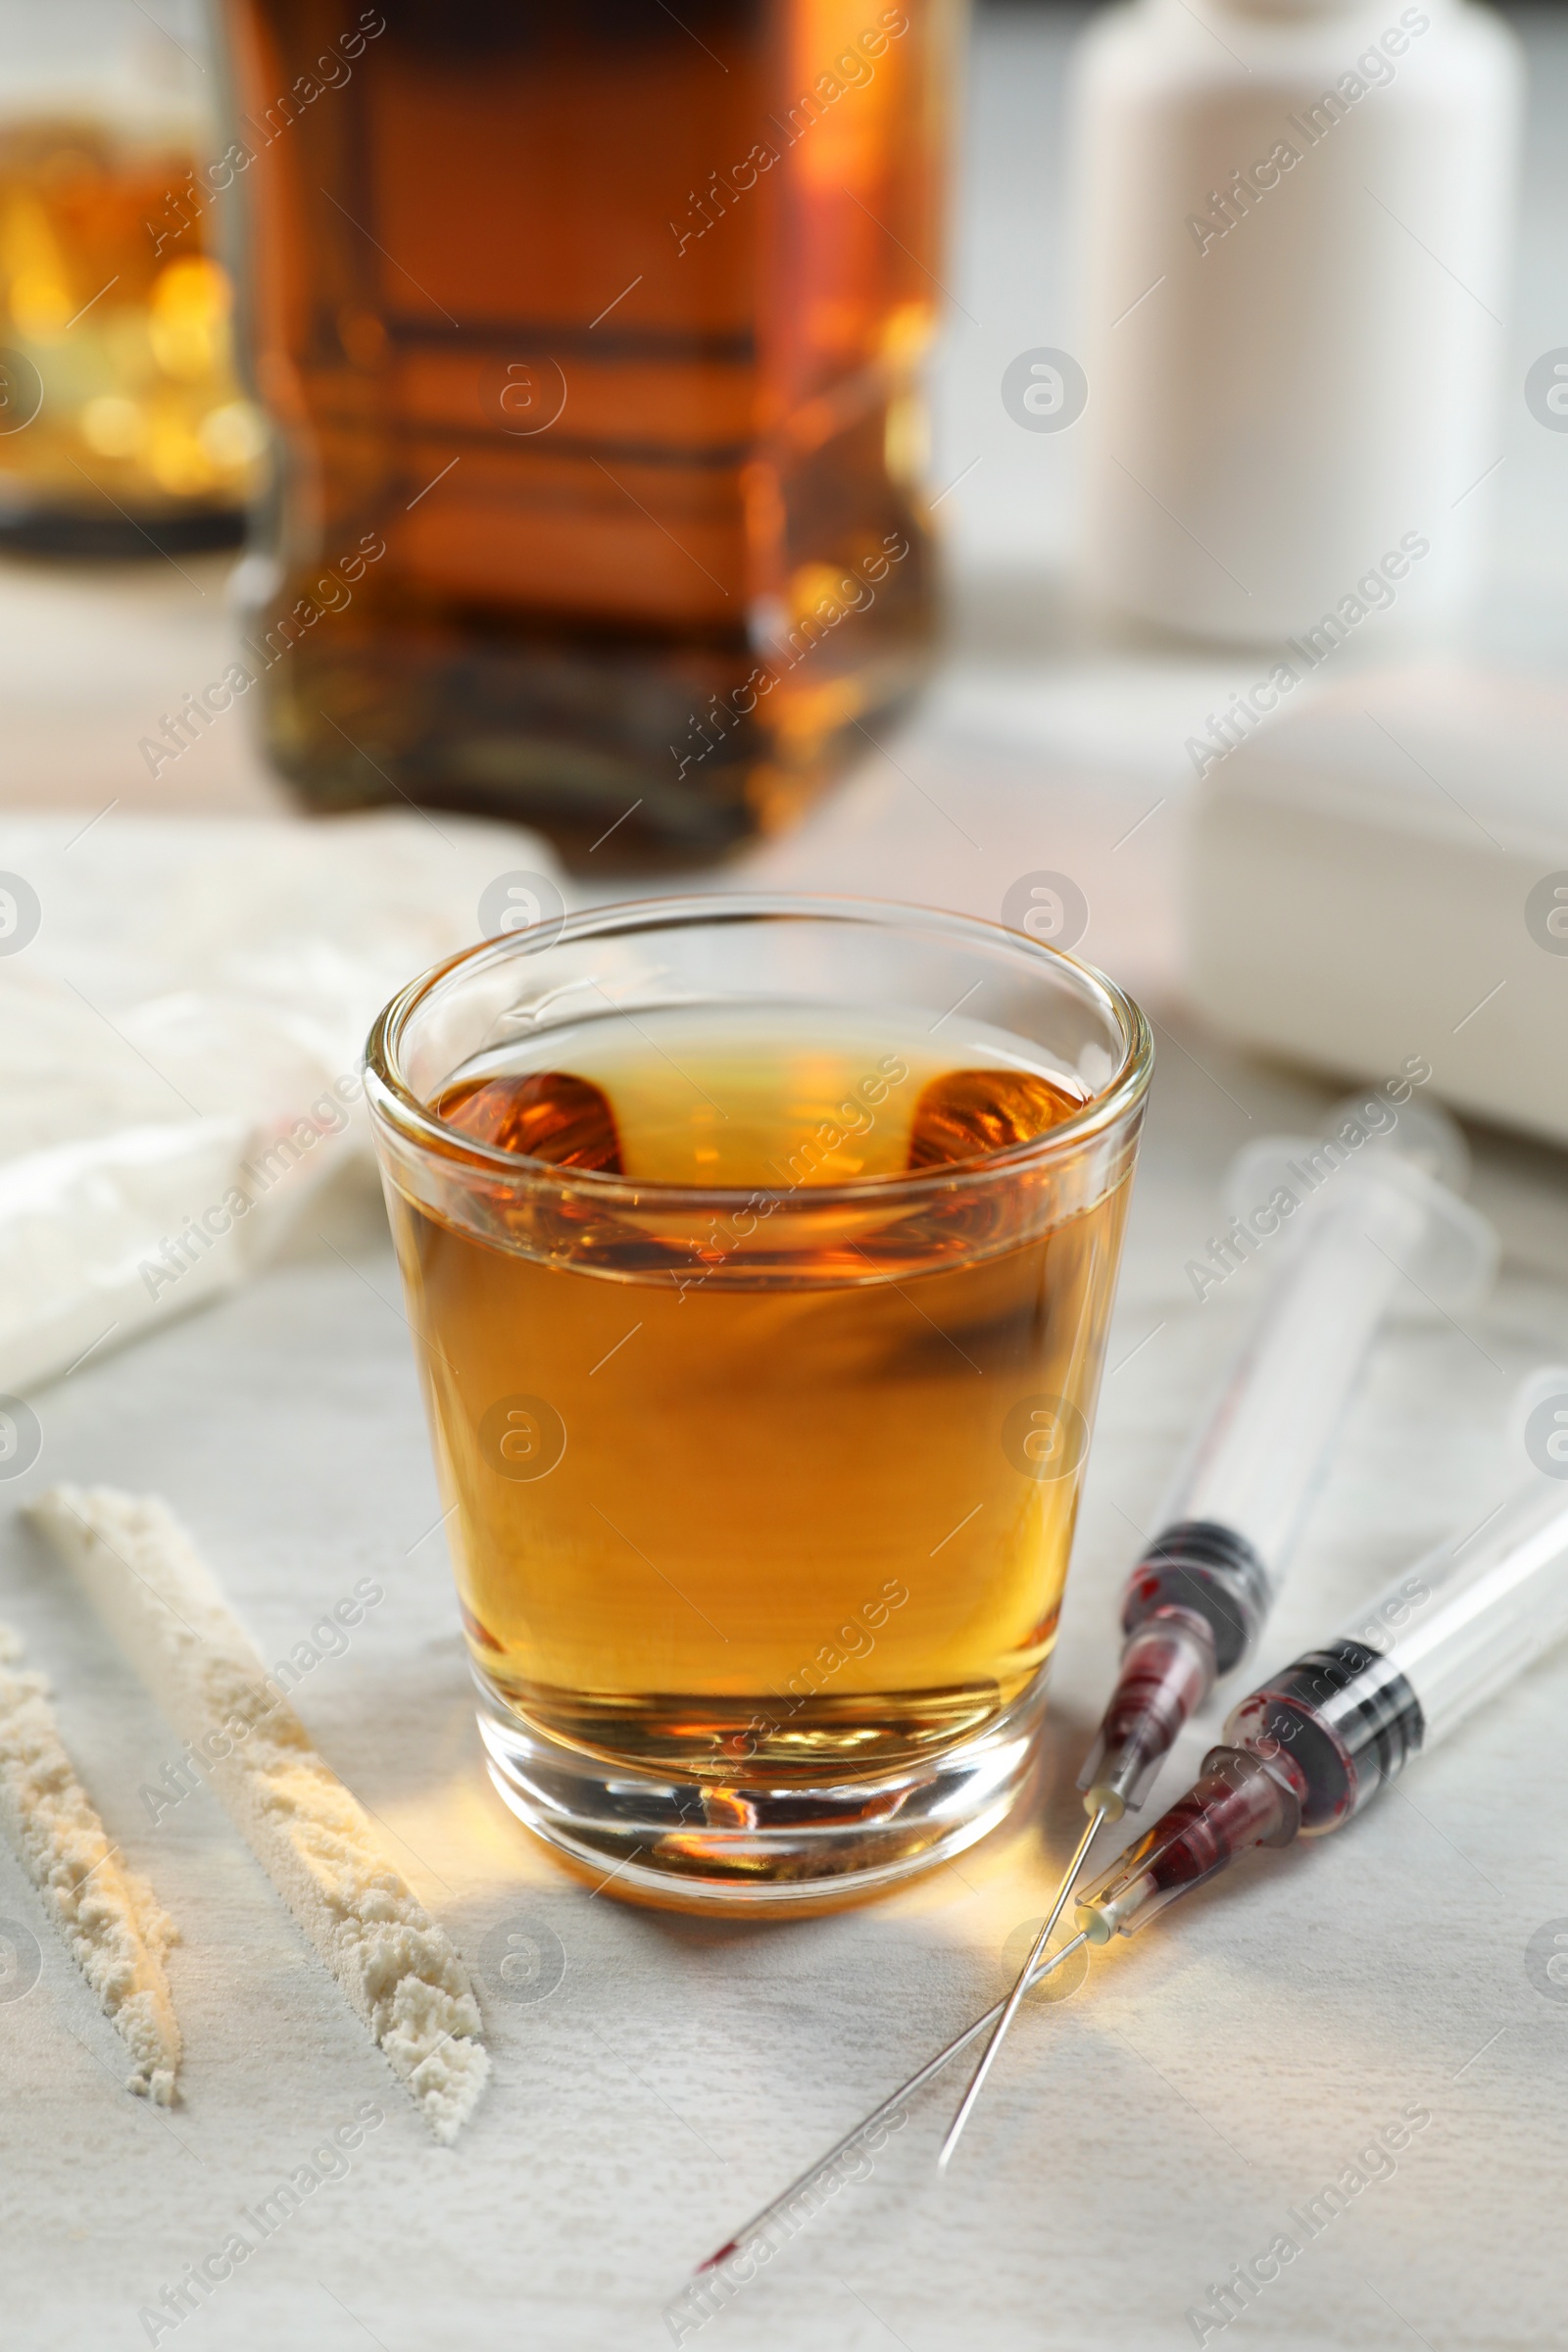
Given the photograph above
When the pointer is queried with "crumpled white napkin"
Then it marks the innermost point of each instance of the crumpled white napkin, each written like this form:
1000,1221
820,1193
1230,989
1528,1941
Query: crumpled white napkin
184,1008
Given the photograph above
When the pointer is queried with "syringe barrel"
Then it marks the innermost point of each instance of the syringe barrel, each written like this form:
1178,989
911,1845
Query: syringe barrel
1438,1641
1478,1610
1253,1465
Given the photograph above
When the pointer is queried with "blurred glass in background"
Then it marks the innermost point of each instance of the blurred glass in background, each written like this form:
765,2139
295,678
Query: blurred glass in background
592,333
123,425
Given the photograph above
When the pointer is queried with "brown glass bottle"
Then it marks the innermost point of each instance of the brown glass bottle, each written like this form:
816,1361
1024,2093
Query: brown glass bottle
591,332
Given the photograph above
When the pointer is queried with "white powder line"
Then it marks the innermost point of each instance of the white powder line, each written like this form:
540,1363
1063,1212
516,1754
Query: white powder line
396,1967
109,1919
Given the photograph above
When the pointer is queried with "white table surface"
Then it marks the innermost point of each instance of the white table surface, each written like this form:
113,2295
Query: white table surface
1139,2139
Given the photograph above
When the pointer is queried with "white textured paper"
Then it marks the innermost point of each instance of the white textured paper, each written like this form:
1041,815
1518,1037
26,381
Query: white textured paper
1138,2141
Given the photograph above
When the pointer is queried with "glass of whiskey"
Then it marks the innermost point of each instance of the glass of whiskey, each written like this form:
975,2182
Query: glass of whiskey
759,1254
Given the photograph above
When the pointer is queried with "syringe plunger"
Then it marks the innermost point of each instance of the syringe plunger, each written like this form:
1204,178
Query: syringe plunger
1193,1606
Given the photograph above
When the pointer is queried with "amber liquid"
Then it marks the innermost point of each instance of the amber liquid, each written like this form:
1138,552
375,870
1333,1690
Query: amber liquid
634,413
122,421
740,1493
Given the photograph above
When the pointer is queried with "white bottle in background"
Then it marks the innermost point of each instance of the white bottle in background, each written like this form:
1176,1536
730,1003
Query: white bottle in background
1294,229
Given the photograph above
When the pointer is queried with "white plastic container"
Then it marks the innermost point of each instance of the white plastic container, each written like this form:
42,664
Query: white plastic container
1295,229
1384,872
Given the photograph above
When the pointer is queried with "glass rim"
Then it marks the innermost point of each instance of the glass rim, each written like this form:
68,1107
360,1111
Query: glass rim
393,1101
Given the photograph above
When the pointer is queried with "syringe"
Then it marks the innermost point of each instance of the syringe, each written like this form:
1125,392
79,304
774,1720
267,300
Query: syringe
1196,1601
1357,1218
1312,1745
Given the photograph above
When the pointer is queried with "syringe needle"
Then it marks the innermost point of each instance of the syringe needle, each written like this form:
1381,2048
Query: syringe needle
1069,1880
868,2122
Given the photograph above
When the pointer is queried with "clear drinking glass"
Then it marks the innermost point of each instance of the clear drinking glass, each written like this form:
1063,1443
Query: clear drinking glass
759,1254
124,429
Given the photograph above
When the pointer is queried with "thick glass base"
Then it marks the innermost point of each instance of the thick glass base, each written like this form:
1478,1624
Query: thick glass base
593,739
723,1845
